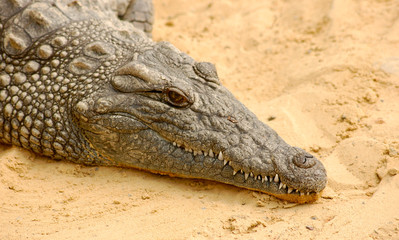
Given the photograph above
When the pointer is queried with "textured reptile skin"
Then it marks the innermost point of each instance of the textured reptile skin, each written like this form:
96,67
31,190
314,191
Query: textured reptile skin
82,81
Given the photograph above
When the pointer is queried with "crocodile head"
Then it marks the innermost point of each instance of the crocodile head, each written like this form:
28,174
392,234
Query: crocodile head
163,112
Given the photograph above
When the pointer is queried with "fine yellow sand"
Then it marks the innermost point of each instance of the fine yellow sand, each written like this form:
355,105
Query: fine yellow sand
328,71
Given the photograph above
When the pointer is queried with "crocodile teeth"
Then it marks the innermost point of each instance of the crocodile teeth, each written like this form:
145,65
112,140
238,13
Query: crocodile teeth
200,152
276,179
195,153
308,193
284,186
230,163
251,174
178,144
259,177
225,162
211,153
302,194
220,156
234,172
246,176
205,153
270,179
174,143
263,179
281,184
290,190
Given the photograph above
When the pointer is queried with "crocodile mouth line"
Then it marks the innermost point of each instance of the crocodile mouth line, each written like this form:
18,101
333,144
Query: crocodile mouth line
275,179
282,187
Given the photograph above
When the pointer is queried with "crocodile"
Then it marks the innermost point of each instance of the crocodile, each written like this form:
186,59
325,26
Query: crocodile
83,81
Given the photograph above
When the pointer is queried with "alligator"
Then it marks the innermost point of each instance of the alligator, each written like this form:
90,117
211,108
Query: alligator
83,81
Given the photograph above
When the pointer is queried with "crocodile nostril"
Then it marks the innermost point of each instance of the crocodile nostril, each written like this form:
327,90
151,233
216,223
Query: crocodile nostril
304,160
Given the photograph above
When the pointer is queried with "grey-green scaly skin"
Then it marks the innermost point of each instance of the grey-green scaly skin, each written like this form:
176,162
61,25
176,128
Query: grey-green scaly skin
79,82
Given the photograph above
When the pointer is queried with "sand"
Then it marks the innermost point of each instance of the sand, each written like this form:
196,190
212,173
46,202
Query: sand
327,71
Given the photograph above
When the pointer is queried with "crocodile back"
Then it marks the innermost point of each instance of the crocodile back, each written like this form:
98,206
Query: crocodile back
52,53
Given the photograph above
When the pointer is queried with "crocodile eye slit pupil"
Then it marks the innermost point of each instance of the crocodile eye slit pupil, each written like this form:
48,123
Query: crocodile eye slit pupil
175,98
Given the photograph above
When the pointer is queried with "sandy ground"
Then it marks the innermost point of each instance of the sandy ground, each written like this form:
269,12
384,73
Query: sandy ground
328,71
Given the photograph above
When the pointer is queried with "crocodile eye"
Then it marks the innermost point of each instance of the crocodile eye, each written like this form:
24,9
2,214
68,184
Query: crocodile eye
176,97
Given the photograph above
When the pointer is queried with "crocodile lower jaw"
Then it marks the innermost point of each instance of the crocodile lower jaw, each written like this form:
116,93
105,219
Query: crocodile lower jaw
294,197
